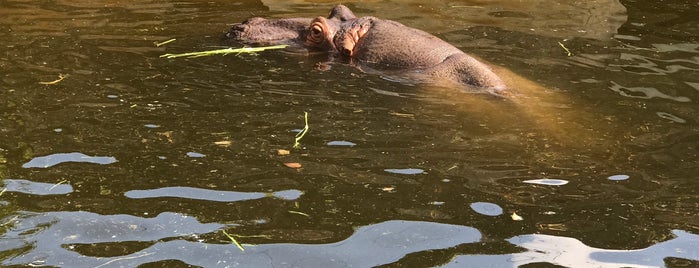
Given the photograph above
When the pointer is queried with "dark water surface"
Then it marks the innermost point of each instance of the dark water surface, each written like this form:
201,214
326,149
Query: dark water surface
133,159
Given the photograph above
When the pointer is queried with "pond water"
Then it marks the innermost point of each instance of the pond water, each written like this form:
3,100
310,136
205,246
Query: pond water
131,159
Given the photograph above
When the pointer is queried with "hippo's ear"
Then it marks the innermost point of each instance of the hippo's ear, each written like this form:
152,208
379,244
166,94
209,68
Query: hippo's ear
341,13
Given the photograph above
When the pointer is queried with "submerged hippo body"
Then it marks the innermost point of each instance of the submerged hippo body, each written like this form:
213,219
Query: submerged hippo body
382,45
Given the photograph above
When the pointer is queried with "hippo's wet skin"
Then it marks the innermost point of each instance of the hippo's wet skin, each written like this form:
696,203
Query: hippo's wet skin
382,45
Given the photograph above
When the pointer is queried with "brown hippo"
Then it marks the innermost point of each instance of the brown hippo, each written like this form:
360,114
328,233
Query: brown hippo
372,43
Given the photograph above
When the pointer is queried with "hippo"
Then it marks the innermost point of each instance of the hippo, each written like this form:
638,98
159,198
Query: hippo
376,44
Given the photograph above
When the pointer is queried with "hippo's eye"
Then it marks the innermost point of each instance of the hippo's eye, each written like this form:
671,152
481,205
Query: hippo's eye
317,31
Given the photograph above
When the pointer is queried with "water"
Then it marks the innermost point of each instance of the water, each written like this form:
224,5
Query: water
133,159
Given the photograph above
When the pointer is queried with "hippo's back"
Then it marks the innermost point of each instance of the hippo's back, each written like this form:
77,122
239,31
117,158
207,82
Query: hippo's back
392,45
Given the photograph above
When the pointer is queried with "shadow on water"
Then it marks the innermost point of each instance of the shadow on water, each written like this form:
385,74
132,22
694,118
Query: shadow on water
136,160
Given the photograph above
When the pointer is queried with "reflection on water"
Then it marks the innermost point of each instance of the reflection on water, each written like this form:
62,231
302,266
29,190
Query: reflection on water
210,195
36,188
569,252
597,151
55,159
56,238
644,93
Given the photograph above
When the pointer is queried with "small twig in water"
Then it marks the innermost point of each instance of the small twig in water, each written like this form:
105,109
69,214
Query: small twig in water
566,49
299,213
158,44
10,221
60,78
56,185
300,135
233,240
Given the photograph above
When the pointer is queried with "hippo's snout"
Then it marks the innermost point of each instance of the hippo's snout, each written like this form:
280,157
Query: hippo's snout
270,32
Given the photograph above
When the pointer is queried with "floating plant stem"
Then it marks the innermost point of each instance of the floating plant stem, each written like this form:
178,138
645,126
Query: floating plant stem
56,185
233,240
300,135
299,213
60,78
158,44
224,51
566,49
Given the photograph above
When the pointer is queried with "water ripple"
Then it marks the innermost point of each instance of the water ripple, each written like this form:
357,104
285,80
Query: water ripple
651,66
644,93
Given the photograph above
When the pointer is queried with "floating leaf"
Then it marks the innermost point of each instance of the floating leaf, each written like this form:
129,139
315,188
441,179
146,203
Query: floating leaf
293,165
283,152
516,217
223,143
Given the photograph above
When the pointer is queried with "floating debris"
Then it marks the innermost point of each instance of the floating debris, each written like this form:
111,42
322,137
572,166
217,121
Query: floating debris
223,143
60,78
293,165
516,217
389,189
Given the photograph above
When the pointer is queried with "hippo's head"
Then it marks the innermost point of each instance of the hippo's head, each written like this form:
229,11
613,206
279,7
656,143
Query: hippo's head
315,34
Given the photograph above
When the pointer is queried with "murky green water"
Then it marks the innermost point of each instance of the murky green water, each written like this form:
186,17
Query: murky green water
133,159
